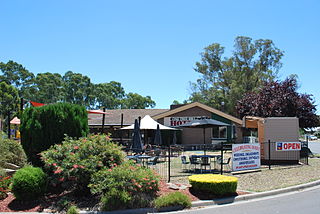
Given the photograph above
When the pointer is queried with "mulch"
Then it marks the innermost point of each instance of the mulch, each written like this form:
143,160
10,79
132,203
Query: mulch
10,204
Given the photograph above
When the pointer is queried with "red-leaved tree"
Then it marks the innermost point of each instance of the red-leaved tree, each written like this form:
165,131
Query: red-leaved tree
280,99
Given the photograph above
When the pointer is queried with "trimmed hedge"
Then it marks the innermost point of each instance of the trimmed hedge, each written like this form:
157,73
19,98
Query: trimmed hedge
173,199
29,183
215,184
42,127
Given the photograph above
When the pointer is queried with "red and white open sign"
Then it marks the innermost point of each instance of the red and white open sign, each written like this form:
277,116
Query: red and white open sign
288,146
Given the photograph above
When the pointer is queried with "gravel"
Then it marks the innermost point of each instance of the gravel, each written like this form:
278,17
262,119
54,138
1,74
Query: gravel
276,178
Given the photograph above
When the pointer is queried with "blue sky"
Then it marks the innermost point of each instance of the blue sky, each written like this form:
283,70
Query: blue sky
151,47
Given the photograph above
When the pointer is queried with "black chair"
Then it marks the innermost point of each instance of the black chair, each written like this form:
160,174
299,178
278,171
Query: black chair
204,162
194,161
224,162
153,160
184,162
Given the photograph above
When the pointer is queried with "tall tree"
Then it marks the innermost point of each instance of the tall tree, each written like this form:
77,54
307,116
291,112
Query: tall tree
280,99
18,76
225,80
48,88
78,89
9,98
109,95
136,101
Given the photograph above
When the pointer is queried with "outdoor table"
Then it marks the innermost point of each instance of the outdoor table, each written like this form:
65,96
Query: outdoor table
143,158
208,156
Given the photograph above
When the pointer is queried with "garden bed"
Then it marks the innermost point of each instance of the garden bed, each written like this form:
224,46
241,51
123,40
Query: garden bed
54,202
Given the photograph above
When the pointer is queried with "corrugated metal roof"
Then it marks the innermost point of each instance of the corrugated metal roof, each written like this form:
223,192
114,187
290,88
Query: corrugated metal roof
129,115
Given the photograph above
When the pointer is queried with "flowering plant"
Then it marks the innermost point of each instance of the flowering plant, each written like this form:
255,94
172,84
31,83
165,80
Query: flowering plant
4,186
139,183
72,163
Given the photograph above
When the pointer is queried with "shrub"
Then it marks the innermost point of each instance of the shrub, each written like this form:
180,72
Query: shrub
173,199
11,151
42,127
72,210
139,184
115,200
215,184
4,184
29,183
72,163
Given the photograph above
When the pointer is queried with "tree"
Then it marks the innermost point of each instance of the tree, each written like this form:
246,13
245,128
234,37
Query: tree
136,101
48,125
109,95
78,89
48,88
225,80
9,100
280,99
18,76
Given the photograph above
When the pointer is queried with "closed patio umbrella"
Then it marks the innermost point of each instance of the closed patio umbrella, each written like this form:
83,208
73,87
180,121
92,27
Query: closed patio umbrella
157,137
136,140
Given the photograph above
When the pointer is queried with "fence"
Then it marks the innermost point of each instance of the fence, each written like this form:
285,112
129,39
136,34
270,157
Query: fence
174,162
170,164
271,154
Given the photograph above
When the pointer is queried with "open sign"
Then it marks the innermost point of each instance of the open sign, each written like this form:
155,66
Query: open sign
288,146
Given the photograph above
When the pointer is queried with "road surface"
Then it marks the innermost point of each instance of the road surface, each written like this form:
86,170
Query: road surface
303,202
314,147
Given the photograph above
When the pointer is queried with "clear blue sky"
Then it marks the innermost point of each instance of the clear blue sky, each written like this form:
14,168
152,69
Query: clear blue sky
151,47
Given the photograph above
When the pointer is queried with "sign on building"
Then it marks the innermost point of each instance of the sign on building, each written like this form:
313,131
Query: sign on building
178,121
288,146
245,156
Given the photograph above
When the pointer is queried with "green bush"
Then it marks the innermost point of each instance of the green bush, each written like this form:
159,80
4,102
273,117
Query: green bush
73,210
4,184
173,199
139,184
72,163
11,151
29,183
42,127
115,200
215,184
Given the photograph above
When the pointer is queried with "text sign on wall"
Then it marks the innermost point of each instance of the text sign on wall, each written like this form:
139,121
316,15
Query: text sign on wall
178,121
288,146
245,156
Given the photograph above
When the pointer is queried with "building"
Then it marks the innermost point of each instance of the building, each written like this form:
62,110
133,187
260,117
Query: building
173,117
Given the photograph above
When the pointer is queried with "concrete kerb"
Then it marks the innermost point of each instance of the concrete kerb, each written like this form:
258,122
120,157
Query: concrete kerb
216,201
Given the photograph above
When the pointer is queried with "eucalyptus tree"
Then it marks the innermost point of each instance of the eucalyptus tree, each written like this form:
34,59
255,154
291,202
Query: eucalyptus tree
224,80
18,76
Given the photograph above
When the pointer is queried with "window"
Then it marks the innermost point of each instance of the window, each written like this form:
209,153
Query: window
219,132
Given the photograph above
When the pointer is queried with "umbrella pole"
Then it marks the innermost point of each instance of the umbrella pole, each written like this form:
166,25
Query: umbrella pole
204,140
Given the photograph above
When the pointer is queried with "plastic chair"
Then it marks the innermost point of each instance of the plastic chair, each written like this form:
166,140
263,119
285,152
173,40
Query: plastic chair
226,162
184,162
153,160
204,162
194,161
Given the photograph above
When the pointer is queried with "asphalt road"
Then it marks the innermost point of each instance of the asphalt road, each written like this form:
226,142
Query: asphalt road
303,202
314,147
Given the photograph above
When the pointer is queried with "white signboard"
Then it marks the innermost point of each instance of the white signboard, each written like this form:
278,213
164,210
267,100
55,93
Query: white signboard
288,146
245,156
178,121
